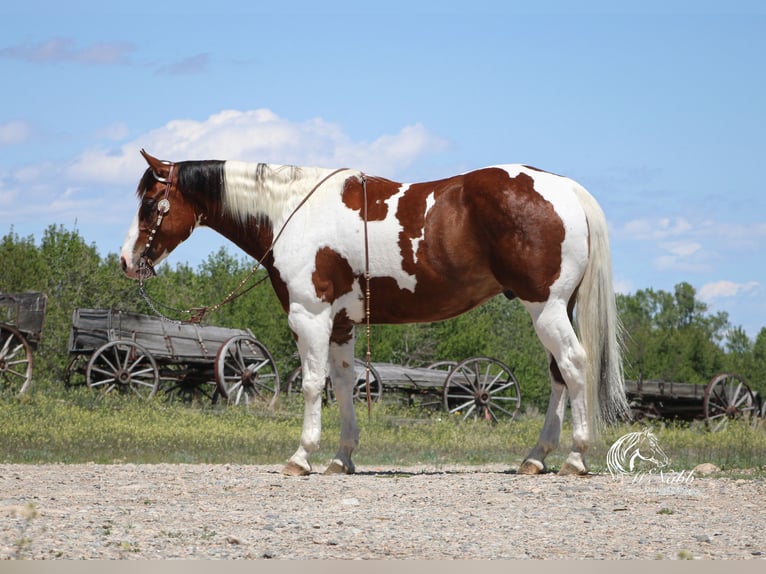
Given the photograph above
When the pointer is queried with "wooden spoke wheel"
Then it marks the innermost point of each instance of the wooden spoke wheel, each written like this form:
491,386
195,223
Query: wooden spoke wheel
295,383
360,383
74,375
727,397
187,384
15,360
245,373
482,387
125,367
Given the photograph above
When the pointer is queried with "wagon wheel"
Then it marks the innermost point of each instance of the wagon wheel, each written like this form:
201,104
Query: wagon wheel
15,360
125,367
482,387
185,383
245,372
360,385
74,375
728,397
295,383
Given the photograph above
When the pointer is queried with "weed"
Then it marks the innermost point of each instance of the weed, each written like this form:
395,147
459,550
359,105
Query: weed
76,428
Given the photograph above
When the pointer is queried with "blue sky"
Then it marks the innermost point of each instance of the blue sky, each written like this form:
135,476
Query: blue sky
658,108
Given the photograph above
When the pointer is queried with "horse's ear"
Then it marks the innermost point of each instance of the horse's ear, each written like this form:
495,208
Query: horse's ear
160,168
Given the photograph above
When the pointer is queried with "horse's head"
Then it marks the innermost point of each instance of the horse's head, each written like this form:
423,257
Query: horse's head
164,220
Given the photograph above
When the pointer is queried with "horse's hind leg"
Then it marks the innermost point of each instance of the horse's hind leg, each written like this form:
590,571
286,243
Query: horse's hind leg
567,368
534,463
342,372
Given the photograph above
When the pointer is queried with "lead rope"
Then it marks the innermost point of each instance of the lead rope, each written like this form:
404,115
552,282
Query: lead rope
367,298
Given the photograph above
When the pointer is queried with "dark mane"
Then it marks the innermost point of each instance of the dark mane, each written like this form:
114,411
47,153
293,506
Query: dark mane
201,177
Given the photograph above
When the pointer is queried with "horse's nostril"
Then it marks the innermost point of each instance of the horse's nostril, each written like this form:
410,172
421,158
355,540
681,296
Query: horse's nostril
123,264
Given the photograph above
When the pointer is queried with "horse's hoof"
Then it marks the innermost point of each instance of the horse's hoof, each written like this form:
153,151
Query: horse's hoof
569,469
294,469
336,467
530,466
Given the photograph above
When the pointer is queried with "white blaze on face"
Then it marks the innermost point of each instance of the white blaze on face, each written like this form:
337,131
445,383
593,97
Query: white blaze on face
129,246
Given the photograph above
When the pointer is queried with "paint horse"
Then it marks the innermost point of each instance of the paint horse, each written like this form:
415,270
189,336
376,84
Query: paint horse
431,251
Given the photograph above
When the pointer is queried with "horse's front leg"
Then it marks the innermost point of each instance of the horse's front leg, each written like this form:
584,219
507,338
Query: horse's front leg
312,333
343,374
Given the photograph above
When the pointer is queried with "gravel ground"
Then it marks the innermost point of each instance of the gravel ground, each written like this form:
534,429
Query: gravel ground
169,511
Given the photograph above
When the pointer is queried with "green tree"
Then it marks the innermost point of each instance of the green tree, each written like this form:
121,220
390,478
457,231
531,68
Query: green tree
672,336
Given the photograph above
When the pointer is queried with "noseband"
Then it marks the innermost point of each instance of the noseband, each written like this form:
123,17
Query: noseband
144,263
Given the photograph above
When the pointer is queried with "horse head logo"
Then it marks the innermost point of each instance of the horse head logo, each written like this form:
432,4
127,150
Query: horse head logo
636,452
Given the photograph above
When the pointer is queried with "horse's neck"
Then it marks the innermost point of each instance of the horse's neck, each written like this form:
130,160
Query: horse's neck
267,190
258,199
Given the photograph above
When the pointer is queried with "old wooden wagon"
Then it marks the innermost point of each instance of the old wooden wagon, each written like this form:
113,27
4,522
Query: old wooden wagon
727,396
476,387
21,323
120,351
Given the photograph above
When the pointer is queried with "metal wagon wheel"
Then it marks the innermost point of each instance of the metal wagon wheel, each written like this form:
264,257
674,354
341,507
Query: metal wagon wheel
123,366
15,360
482,387
727,396
245,372
295,383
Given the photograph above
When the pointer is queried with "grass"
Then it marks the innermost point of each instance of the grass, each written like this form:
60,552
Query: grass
78,426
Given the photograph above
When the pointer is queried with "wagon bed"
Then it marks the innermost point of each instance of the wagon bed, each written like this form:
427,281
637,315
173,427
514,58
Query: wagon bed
22,316
111,349
92,328
727,396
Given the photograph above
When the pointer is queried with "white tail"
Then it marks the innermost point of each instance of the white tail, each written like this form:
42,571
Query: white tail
598,325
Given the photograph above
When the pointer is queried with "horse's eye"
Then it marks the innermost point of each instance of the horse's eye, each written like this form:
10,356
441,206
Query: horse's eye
148,207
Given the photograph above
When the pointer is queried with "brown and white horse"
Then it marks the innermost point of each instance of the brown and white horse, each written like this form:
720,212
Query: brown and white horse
433,250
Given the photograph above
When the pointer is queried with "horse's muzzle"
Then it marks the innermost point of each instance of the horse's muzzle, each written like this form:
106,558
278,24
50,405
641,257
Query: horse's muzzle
143,270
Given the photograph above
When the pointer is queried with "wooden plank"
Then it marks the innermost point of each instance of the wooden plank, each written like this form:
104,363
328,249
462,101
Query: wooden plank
25,311
393,375
665,389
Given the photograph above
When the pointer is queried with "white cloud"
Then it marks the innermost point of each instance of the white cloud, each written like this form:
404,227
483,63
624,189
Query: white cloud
681,248
623,286
721,289
15,132
65,50
97,186
656,229
258,136
191,65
